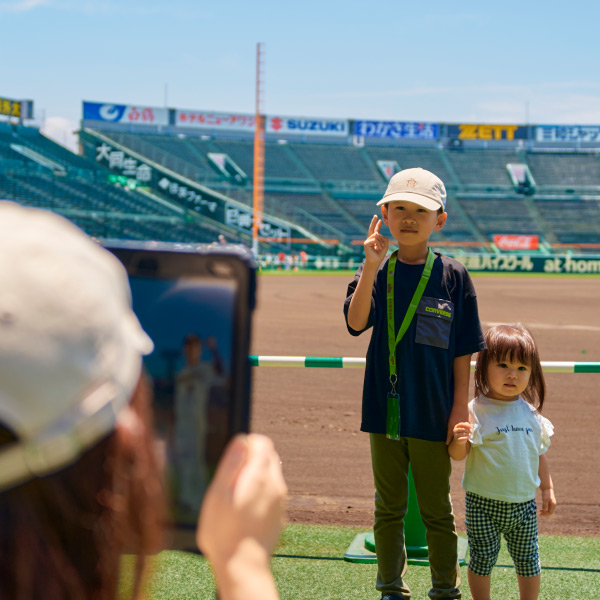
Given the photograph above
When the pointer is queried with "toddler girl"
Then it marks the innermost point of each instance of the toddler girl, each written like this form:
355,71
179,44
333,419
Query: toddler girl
504,444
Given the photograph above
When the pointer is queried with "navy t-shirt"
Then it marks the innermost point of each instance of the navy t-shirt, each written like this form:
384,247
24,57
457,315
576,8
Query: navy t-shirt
446,325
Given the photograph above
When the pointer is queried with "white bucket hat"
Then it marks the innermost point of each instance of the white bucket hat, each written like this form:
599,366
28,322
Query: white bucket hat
418,186
70,345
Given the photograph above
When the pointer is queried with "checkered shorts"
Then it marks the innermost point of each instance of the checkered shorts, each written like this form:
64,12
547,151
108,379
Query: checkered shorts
486,519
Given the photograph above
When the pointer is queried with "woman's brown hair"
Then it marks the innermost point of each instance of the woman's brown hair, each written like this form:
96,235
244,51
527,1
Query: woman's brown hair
62,536
512,342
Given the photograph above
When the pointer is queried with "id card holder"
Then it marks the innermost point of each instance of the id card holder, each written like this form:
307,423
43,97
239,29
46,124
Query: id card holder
392,429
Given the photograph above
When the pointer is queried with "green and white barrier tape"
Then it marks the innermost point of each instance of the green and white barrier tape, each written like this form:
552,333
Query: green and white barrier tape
346,362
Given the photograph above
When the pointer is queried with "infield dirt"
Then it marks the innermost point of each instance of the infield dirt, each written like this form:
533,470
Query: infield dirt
313,415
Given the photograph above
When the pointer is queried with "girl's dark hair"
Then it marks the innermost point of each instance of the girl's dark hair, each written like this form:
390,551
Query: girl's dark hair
512,342
62,536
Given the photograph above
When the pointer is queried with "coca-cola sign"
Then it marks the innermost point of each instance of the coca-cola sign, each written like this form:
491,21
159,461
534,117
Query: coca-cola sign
516,242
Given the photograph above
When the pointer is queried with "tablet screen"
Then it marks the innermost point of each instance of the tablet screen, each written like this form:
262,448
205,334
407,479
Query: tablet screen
191,324
196,303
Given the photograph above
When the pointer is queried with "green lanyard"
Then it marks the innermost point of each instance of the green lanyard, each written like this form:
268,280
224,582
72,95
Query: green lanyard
393,412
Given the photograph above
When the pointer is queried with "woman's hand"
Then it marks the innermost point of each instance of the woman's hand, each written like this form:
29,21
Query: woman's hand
244,507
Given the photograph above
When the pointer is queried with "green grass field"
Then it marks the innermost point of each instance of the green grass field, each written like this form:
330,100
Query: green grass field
308,565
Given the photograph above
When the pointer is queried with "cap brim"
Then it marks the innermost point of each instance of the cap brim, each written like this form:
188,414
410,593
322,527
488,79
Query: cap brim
415,198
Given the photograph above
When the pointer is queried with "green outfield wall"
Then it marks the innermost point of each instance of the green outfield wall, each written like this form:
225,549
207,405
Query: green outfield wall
475,263
506,263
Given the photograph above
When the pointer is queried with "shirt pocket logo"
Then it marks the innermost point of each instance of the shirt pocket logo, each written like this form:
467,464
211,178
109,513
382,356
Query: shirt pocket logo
434,322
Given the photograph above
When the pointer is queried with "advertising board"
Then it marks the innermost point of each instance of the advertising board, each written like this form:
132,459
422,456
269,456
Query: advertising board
141,173
125,113
201,119
133,172
397,129
242,219
567,133
516,242
510,263
486,131
16,108
308,126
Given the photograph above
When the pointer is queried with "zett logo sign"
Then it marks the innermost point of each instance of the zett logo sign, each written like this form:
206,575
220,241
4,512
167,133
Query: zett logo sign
487,132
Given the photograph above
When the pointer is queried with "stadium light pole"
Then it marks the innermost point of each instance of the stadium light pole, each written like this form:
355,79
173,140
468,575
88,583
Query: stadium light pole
258,181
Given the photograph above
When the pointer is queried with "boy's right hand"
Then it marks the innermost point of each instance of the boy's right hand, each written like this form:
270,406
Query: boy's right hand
376,245
461,433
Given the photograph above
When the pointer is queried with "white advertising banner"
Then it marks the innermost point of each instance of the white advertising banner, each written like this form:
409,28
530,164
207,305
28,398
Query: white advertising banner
202,119
567,133
309,126
125,113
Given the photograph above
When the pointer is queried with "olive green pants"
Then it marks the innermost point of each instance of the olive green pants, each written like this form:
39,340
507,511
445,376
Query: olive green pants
430,465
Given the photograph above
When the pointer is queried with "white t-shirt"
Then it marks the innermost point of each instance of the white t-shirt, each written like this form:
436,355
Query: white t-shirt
507,440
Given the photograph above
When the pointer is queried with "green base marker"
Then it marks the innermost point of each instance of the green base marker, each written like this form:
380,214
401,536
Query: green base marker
416,554
359,552
362,549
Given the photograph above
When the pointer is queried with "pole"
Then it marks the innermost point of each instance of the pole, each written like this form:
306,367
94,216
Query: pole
258,181
350,362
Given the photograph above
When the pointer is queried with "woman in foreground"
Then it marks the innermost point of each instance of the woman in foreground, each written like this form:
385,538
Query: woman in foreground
80,483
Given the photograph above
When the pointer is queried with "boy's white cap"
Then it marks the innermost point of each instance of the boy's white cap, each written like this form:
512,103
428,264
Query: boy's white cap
70,345
416,185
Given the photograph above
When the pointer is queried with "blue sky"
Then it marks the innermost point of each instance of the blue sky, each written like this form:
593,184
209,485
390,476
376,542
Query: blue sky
502,62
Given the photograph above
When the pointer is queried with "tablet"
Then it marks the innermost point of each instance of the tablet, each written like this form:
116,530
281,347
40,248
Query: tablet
196,304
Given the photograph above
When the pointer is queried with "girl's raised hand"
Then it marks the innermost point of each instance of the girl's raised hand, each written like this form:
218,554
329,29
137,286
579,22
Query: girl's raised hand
376,244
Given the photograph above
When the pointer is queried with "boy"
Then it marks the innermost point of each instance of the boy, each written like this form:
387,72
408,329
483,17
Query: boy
416,383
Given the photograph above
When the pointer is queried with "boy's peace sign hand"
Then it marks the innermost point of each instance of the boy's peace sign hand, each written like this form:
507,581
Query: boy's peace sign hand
376,245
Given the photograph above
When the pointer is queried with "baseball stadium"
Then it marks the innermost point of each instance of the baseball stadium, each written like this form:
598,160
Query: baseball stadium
523,205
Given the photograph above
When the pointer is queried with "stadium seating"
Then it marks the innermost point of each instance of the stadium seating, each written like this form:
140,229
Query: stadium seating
407,157
505,215
572,221
34,140
51,191
309,209
100,208
279,164
572,170
331,163
330,189
482,167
